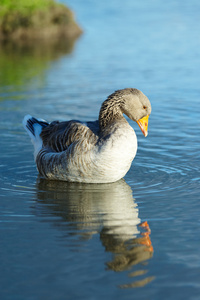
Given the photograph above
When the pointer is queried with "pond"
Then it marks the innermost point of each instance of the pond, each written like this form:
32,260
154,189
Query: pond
64,240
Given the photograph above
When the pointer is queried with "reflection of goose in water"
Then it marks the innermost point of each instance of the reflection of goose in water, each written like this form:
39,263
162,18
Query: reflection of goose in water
107,209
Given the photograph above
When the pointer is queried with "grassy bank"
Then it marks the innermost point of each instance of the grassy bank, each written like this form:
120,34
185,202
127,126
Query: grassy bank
36,19
27,6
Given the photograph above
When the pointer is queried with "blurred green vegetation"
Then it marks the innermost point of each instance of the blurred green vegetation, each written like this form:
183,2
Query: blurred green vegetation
24,6
22,65
33,33
18,19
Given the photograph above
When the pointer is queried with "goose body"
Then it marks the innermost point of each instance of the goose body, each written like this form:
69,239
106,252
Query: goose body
94,152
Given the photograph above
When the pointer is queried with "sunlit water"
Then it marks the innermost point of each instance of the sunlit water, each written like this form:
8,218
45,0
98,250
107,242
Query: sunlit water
79,241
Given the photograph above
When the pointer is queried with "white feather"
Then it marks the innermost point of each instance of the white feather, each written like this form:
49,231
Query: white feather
35,138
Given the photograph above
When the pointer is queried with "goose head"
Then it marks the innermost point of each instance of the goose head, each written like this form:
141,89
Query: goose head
131,102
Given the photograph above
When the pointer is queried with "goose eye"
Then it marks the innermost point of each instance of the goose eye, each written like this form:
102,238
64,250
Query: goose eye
144,107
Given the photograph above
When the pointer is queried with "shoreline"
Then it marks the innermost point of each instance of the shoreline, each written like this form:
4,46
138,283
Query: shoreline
53,21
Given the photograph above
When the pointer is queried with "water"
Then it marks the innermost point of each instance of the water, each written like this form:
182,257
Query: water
79,241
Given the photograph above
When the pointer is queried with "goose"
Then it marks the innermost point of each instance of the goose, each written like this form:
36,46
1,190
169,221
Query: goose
92,152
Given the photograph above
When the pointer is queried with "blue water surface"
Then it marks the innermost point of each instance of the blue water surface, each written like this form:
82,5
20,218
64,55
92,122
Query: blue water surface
83,241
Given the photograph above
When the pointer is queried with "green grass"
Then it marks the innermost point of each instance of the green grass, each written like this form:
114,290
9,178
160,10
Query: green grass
28,19
24,6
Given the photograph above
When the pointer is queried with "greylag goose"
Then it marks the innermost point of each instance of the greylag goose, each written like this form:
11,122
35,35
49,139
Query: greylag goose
93,152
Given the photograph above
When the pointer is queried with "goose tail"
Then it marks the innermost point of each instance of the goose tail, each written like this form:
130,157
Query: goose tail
34,128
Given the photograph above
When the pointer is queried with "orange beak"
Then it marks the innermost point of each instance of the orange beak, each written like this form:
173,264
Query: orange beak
143,124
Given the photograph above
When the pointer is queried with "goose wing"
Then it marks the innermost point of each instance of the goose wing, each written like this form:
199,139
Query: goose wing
60,135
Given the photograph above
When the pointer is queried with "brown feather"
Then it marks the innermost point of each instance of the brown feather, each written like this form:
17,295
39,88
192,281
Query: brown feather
60,135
